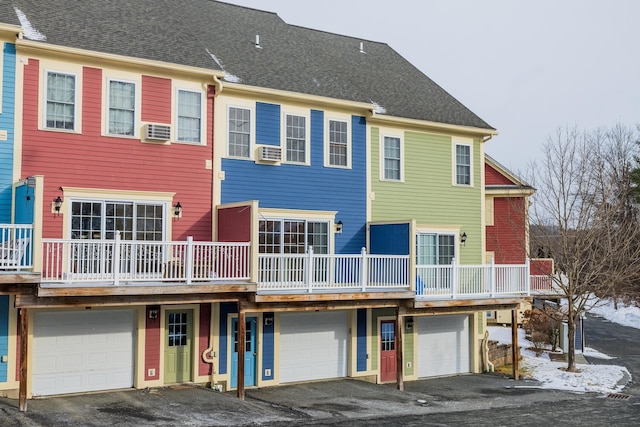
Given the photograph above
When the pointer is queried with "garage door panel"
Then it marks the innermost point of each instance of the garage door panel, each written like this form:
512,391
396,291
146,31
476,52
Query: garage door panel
82,351
313,346
443,345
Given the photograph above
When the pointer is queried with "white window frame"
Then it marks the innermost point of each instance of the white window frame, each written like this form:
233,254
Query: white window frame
383,177
45,100
306,221
437,234
307,138
136,108
203,118
328,142
251,131
461,142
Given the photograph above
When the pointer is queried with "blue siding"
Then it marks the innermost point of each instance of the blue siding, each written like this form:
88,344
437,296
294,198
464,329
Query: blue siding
4,335
225,309
7,123
268,348
361,341
313,187
389,239
267,124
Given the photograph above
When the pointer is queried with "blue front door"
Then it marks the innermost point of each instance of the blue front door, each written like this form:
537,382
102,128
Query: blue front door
249,352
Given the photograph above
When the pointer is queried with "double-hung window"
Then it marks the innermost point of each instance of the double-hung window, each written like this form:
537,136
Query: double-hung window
122,102
239,132
60,100
338,143
391,159
296,145
189,116
463,164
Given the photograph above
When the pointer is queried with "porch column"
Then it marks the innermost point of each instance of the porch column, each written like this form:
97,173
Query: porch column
514,343
241,349
399,362
24,341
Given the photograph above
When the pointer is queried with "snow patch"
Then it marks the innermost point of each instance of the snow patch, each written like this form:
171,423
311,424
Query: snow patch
28,30
227,76
377,108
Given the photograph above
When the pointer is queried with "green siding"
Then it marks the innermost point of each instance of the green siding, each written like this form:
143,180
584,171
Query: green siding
427,193
407,337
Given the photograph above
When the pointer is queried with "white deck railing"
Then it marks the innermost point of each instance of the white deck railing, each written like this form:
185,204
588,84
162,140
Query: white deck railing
15,247
118,262
478,281
544,285
312,272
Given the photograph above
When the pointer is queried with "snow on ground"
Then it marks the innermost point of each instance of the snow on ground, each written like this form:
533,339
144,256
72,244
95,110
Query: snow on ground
591,378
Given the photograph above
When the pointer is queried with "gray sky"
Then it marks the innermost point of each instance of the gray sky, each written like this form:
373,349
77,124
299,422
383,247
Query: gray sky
525,67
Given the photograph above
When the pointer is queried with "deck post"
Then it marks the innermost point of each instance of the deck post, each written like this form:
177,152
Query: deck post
309,264
364,269
514,343
188,262
399,363
115,261
24,349
241,349
492,291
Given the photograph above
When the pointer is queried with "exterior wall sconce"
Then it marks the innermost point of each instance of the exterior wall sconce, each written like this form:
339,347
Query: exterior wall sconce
268,319
409,323
338,227
177,210
57,205
153,313
463,239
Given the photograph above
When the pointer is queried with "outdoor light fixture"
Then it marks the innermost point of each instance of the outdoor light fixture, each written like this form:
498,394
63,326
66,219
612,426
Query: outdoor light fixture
177,210
268,319
57,205
153,313
463,239
338,227
409,323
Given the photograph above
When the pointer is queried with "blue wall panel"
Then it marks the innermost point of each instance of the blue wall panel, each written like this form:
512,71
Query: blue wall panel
4,335
361,341
225,309
389,239
7,124
313,187
268,348
24,204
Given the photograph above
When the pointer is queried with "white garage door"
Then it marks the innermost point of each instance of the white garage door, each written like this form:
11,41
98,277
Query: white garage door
313,346
77,351
443,345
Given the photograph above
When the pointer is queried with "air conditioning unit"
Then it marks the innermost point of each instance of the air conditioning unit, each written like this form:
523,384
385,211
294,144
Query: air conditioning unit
269,153
157,132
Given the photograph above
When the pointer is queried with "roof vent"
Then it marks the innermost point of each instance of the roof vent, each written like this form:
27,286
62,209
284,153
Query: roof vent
258,42
362,47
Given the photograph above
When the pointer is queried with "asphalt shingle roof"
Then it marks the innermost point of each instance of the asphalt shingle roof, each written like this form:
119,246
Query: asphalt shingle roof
219,36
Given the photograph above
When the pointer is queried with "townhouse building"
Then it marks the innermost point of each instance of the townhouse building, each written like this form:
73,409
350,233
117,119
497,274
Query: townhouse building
215,196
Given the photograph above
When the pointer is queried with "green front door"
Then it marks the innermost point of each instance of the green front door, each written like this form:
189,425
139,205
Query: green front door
177,346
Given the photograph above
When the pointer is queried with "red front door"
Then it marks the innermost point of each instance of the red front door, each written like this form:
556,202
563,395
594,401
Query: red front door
388,350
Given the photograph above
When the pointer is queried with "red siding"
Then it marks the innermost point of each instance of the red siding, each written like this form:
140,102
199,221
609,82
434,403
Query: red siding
493,177
155,92
506,238
89,160
152,350
541,266
234,224
203,340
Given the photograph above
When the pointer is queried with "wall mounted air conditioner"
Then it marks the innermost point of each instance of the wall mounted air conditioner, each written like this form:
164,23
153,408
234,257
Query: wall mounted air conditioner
157,132
269,153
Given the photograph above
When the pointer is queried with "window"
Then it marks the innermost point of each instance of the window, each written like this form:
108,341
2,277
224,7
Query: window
189,116
122,101
101,220
463,164
239,128
296,129
392,161
338,143
60,101
293,236
177,333
435,249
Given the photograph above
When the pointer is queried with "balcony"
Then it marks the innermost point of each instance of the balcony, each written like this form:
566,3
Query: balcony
73,262
16,247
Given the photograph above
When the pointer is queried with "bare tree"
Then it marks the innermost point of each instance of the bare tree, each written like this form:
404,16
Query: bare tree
583,214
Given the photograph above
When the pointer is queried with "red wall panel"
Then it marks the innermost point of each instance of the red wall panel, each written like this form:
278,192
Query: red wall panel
506,238
89,160
234,224
203,340
493,177
152,350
